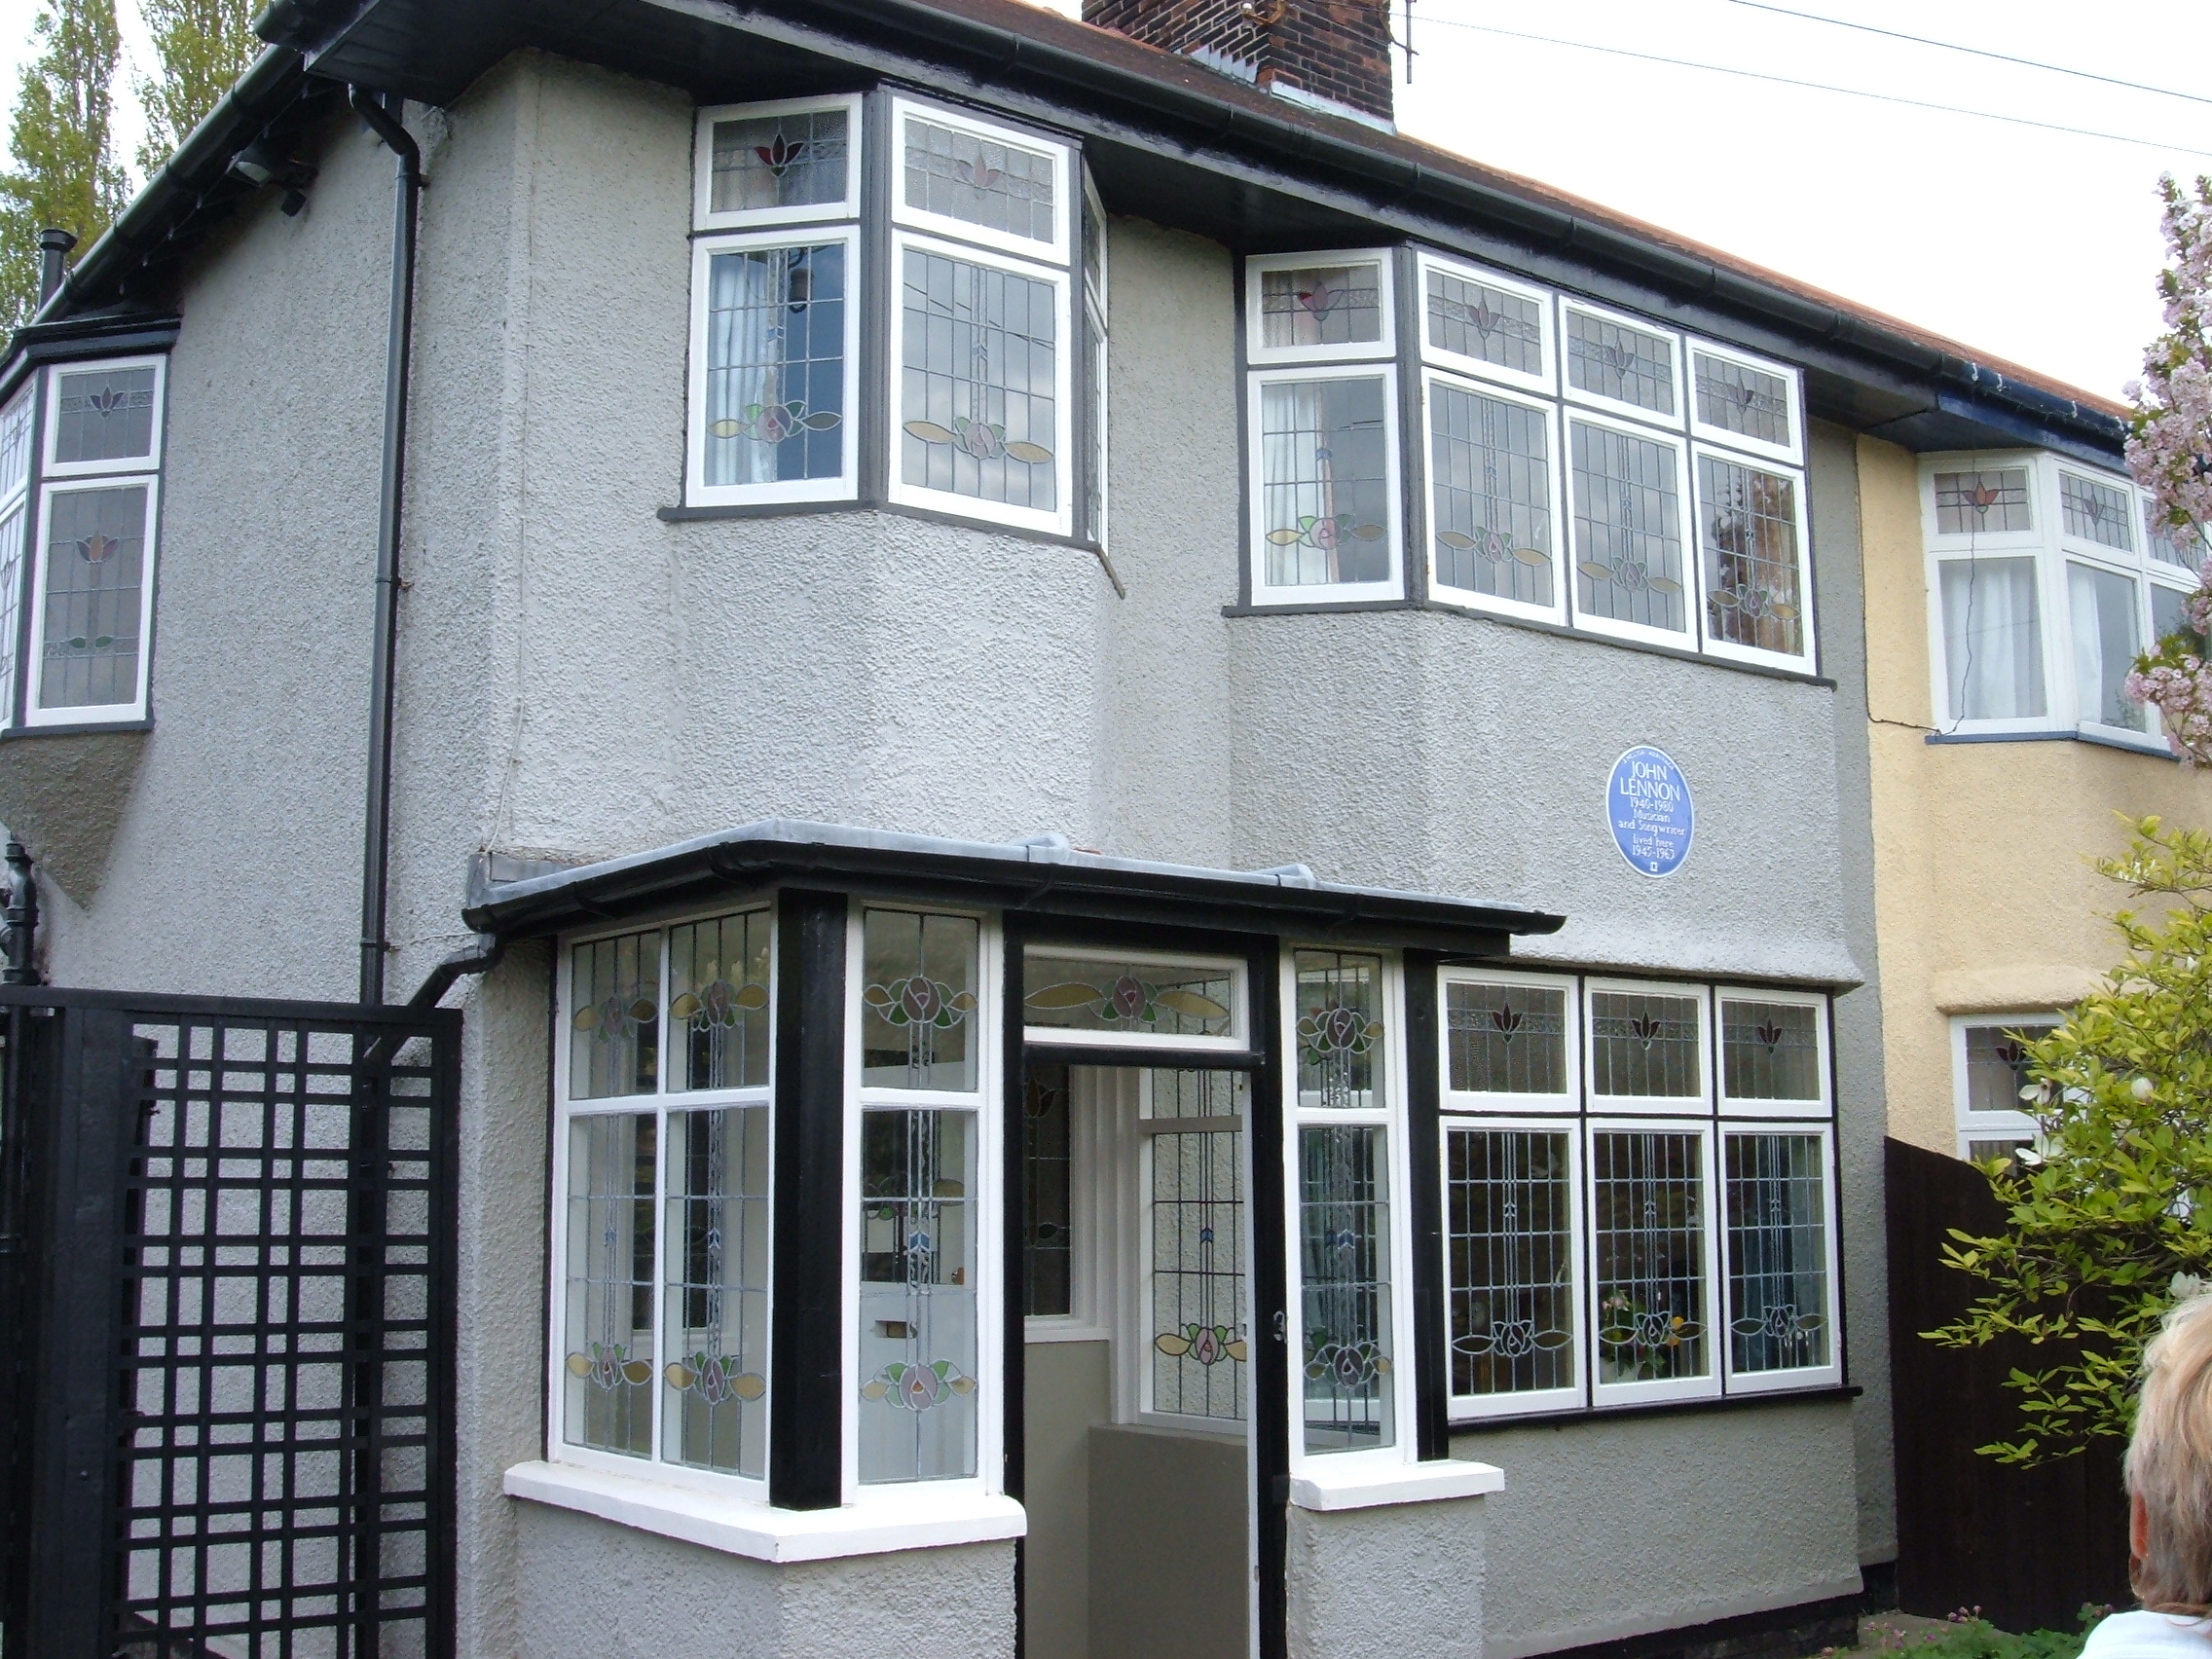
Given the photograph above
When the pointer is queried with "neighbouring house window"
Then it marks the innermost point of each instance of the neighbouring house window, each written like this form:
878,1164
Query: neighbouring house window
1994,1092
2105,609
1992,638
2176,547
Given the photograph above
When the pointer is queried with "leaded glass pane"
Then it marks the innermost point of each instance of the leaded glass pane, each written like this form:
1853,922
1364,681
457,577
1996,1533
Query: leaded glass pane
1645,1045
1493,325
1510,1254
614,1032
2170,542
1321,305
1198,1314
10,587
781,160
1506,1039
1344,1218
1628,529
104,415
978,399
608,1322
1992,637
917,1303
1778,1252
96,576
918,1001
1104,993
1490,465
715,1354
2097,512
1748,522
2170,615
1610,360
982,181
1982,503
15,443
1324,482
1047,1211
775,364
1769,1050
718,1003
1094,251
1997,1067
1739,398
2102,603
1339,1030
1647,1195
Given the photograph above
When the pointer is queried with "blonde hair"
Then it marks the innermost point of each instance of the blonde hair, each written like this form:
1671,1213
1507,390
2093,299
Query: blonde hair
2169,1463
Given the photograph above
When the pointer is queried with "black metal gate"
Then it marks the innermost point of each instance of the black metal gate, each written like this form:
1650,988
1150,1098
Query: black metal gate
226,1234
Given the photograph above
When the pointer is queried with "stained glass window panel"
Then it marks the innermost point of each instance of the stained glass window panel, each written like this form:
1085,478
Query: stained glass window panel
1739,398
1748,523
987,183
1114,994
16,443
718,1003
2171,543
2102,604
1648,1221
775,364
918,1354
1491,325
96,576
1324,482
918,1001
1645,1045
1628,529
1997,1067
2097,512
1778,1252
1339,1030
1322,305
1770,1050
781,160
1490,465
1506,1039
1047,1209
1992,637
714,1355
104,415
1199,1320
608,1318
1984,503
978,399
614,1030
1610,360
1344,1287
1510,1255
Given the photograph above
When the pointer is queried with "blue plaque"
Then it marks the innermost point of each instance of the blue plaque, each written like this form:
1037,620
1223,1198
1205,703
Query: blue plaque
1649,805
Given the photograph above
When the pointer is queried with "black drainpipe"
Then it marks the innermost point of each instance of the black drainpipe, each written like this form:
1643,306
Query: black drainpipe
376,851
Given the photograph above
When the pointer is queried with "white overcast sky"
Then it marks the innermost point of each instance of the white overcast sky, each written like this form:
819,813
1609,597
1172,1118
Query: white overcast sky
2034,245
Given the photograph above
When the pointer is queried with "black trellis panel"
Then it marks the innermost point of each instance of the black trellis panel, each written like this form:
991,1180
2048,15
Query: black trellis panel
228,1229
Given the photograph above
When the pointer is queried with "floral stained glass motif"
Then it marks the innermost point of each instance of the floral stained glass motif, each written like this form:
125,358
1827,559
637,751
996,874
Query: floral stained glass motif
775,364
1506,1039
1345,1280
1510,1254
1473,319
1648,1195
1334,304
1200,1316
95,576
1997,1066
1048,1207
1982,503
1492,515
1747,524
1628,529
2097,512
1324,482
978,381
1645,1045
1610,360
718,1003
714,1353
980,181
1104,994
1778,1254
1339,1030
918,1001
918,1354
614,1030
781,160
104,415
609,1315
1739,398
1769,1050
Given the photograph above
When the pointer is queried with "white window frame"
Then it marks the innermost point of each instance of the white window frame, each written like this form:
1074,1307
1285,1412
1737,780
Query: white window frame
1475,1408
1973,1126
91,714
1713,1222
1458,1100
1066,204
1942,549
1796,1377
845,486
2085,719
1821,1108
1259,355
1793,453
703,214
1236,1039
662,1101
1562,533
53,472
1544,384
1699,1105
1394,535
1692,637
1676,422
1096,1157
1714,645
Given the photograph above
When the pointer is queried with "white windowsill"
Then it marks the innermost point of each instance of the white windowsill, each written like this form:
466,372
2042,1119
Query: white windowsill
881,1523
1370,1486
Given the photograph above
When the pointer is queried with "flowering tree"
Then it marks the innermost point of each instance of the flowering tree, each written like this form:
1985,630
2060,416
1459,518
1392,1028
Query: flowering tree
2170,450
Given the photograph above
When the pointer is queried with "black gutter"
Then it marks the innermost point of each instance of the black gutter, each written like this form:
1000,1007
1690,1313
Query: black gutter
375,850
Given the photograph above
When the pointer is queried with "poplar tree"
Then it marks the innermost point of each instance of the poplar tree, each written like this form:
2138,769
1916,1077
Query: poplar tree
201,48
63,170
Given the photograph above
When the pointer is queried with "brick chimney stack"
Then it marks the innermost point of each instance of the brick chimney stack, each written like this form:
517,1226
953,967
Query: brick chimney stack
1313,51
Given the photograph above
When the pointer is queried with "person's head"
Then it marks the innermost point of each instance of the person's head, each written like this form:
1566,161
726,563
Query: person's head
2169,1466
